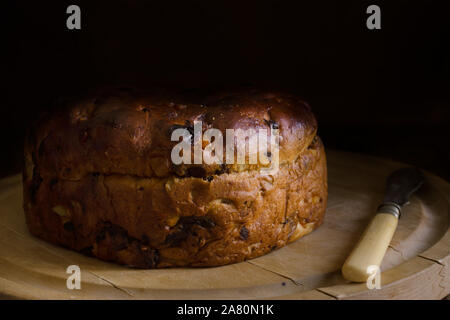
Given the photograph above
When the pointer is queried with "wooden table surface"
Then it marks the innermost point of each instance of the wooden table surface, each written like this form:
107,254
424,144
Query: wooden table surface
415,266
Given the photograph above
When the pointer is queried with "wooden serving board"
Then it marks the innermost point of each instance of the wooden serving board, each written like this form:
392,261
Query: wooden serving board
415,266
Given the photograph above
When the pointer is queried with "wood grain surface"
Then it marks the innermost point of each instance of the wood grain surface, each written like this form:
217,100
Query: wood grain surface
416,265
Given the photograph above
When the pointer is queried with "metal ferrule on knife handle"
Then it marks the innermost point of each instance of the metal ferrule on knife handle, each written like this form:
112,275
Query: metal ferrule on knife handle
390,207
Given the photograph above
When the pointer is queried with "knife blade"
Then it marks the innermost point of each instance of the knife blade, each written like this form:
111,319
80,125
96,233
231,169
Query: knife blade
372,246
401,184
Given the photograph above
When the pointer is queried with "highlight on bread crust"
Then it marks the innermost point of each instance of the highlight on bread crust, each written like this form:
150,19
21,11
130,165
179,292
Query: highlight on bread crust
99,179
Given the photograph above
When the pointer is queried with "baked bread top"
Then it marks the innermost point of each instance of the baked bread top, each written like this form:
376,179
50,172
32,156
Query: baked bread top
127,132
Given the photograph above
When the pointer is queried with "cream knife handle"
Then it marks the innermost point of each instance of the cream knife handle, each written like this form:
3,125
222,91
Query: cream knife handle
371,248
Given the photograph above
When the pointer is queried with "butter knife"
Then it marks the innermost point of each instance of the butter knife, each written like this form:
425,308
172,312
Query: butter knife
372,246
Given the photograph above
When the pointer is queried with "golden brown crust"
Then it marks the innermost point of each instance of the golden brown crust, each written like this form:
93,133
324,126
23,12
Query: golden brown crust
125,134
99,180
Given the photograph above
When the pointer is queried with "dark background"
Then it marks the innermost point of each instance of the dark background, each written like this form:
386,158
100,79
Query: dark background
382,92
